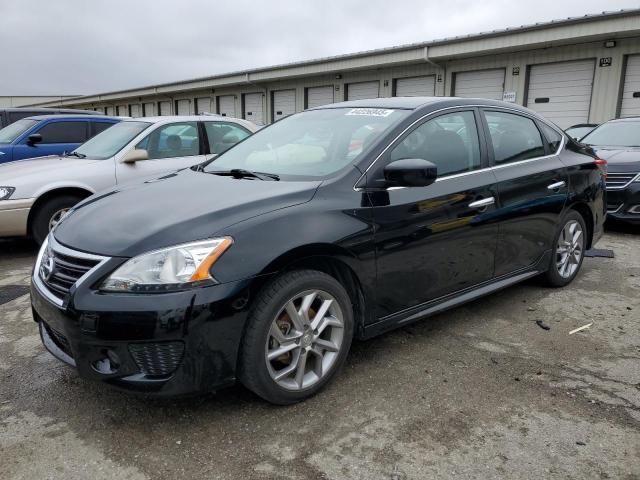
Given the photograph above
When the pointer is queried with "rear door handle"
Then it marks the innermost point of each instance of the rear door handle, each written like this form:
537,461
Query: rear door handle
556,186
482,203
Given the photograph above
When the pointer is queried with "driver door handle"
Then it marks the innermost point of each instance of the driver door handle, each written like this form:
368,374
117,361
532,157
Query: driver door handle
482,203
556,186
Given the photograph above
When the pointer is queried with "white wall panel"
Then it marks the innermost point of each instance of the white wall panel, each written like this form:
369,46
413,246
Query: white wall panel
630,104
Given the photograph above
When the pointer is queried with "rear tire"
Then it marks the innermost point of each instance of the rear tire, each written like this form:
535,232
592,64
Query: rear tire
49,214
568,251
297,336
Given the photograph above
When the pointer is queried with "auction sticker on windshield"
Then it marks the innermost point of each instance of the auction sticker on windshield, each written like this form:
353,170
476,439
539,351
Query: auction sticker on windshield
371,112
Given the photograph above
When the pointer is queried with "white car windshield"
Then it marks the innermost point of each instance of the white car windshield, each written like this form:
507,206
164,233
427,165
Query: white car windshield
106,144
9,133
312,144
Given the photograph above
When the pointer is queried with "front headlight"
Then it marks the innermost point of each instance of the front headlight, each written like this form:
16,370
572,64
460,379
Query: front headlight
6,192
169,269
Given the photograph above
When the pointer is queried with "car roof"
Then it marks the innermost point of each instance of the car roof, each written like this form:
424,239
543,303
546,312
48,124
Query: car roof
415,103
70,116
626,119
192,118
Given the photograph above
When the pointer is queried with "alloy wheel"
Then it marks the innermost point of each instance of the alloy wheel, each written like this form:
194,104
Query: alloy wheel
570,249
304,340
56,217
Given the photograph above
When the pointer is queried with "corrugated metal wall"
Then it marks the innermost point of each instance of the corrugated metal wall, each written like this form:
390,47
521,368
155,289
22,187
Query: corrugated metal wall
607,81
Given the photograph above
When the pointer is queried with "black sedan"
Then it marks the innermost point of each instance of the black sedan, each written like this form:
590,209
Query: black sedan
337,223
618,142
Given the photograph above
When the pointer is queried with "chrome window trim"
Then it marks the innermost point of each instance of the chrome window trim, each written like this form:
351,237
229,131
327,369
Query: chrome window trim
57,247
480,170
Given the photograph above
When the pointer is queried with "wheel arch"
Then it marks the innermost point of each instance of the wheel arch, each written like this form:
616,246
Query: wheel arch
587,214
327,258
48,195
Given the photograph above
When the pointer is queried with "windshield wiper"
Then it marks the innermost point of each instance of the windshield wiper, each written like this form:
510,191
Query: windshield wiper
75,154
242,173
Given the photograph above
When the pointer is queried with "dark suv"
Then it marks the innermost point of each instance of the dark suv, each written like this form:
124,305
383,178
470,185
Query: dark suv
618,142
340,222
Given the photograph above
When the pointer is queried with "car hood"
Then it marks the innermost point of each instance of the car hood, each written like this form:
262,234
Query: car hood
31,169
620,159
176,208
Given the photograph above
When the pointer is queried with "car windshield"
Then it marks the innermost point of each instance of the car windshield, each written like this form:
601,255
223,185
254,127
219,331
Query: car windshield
313,144
106,144
615,134
9,133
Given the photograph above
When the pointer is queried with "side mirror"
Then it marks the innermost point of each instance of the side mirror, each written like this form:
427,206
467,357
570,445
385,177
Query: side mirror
34,138
135,155
410,172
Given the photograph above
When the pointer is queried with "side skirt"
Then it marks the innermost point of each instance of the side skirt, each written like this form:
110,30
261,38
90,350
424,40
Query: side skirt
441,304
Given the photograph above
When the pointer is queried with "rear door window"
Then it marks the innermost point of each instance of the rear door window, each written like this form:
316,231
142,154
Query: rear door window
223,135
514,138
63,132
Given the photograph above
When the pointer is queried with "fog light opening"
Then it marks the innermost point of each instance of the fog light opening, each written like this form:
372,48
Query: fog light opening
108,364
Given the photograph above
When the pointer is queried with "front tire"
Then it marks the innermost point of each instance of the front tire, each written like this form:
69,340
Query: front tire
49,214
297,337
568,251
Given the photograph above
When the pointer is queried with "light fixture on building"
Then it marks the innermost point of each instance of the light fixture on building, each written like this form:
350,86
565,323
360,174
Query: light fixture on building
338,76
609,44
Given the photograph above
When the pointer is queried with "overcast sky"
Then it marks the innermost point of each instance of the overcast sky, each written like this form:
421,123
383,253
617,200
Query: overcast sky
91,46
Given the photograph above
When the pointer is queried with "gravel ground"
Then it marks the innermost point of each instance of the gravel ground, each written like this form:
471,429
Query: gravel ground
481,391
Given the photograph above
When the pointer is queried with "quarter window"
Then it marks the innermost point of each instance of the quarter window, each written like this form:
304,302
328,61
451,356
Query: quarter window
222,136
553,138
64,132
174,140
449,141
513,137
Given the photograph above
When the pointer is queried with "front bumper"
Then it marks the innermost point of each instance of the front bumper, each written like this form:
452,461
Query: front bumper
164,344
624,204
14,215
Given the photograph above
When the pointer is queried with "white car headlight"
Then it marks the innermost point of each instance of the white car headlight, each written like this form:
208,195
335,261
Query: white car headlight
6,192
168,269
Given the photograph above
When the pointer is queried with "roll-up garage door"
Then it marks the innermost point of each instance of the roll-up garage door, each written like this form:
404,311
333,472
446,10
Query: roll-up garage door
630,105
227,106
479,84
99,109
123,110
149,109
183,107
284,103
416,86
109,110
318,96
134,110
203,105
561,91
165,108
253,110
362,90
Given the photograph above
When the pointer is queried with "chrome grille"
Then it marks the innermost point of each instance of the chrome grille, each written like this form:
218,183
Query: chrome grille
59,268
617,180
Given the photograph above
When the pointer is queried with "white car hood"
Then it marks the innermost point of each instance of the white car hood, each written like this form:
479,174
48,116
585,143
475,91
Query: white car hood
30,175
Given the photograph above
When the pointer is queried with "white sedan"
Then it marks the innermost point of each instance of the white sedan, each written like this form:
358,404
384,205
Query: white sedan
36,193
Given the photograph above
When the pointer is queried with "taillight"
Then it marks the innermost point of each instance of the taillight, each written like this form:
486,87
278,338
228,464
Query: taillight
602,165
